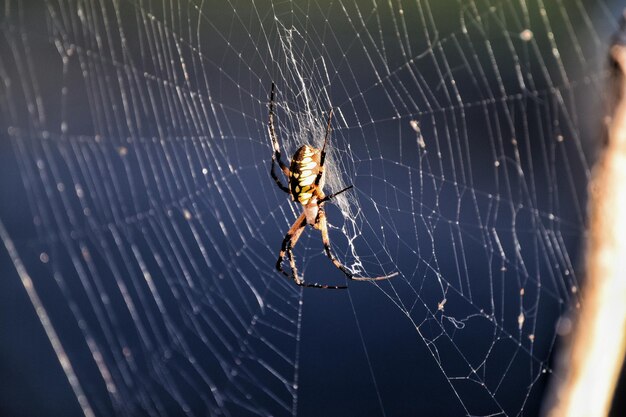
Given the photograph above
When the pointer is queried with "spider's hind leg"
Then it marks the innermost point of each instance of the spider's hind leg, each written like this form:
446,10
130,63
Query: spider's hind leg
276,179
321,167
276,157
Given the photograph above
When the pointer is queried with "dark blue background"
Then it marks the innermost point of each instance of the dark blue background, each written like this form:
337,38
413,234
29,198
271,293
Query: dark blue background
411,197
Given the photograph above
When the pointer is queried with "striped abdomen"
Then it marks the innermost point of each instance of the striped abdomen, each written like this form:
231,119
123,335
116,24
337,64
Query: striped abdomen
303,170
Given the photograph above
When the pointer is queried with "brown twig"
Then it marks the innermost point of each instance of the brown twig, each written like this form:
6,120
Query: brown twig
590,366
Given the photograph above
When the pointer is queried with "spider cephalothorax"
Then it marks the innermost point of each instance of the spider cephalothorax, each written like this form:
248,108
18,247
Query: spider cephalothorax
305,183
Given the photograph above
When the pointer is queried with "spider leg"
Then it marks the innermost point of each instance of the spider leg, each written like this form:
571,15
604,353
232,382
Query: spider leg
276,155
290,240
275,178
323,226
323,199
318,178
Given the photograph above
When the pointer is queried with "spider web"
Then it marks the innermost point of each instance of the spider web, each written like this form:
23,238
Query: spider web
141,219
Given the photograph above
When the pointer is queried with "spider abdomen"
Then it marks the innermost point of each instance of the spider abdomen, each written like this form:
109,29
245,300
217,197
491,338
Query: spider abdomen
303,171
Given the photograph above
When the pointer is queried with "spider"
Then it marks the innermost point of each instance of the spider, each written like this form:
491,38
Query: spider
305,183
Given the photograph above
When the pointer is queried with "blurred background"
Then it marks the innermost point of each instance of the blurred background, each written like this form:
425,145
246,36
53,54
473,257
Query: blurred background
140,225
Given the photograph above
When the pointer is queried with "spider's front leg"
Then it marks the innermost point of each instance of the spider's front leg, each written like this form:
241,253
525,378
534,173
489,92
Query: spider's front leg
290,240
322,225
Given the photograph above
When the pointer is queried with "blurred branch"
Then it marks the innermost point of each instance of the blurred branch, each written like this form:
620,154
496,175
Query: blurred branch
588,370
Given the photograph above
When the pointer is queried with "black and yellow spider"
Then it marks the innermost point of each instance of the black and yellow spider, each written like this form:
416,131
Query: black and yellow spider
305,183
